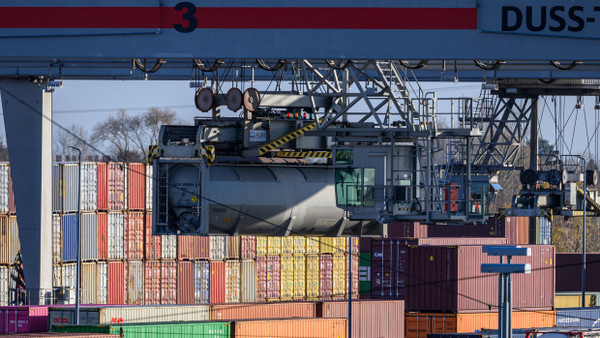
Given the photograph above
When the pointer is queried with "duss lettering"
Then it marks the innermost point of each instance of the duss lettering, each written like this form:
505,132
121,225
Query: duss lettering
536,19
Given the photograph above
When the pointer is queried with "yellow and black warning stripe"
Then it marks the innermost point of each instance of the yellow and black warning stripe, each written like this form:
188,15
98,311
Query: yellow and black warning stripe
303,154
152,153
287,138
208,152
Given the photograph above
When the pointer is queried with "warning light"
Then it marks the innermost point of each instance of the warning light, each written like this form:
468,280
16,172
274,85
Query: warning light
296,115
289,115
304,116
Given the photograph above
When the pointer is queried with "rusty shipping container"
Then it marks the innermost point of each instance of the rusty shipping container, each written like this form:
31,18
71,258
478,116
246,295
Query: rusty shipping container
309,327
449,279
370,318
102,283
151,282
248,281
418,325
248,247
233,247
568,272
102,219
116,240
168,282
135,283
217,282
152,243
136,186
326,276
116,283
117,187
89,283
193,247
389,260
273,277
264,311
134,246
102,188
201,282
185,282
261,278
232,281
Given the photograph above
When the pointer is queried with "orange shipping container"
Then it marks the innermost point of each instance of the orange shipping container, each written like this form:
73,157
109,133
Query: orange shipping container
185,282
378,318
168,282
134,229
426,323
263,311
152,244
136,186
151,282
102,236
117,283
307,327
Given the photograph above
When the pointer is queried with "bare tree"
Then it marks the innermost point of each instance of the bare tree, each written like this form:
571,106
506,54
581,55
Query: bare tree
75,135
148,127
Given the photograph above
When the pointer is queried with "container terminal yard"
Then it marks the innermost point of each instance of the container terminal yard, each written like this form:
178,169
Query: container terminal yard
321,191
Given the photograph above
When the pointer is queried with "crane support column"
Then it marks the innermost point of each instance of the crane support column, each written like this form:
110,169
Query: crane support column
27,109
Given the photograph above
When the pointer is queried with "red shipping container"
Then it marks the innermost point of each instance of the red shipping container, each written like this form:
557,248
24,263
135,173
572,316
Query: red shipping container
117,288
326,273
217,282
136,186
568,272
152,247
261,278
191,247
23,319
133,236
102,186
407,229
273,277
102,236
168,283
248,247
233,247
449,279
517,229
151,282
185,282
117,193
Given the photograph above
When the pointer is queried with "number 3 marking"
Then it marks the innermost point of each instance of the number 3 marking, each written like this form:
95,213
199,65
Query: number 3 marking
187,16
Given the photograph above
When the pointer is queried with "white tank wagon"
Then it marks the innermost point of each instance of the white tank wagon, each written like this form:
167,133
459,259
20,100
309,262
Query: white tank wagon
256,199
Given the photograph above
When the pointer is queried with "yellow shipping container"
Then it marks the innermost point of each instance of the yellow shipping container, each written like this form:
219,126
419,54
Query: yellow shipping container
327,245
287,245
341,245
299,245
274,246
312,245
418,325
287,277
339,276
573,300
261,245
299,277
313,276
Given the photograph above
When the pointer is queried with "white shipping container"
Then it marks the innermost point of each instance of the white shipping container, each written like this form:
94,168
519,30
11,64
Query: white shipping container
248,281
68,276
89,283
15,242
70,186
232,281
135,283
56,238
169,247
115,235
4,284
130,314
56,276
201,282
149,182
89,236
218,248
89,186
102,282
4,192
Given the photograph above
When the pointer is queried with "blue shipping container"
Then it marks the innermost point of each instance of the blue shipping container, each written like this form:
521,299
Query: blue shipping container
69,237
578,317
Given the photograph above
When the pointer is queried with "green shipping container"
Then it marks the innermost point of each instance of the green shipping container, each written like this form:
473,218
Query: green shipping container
173,329
364,274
